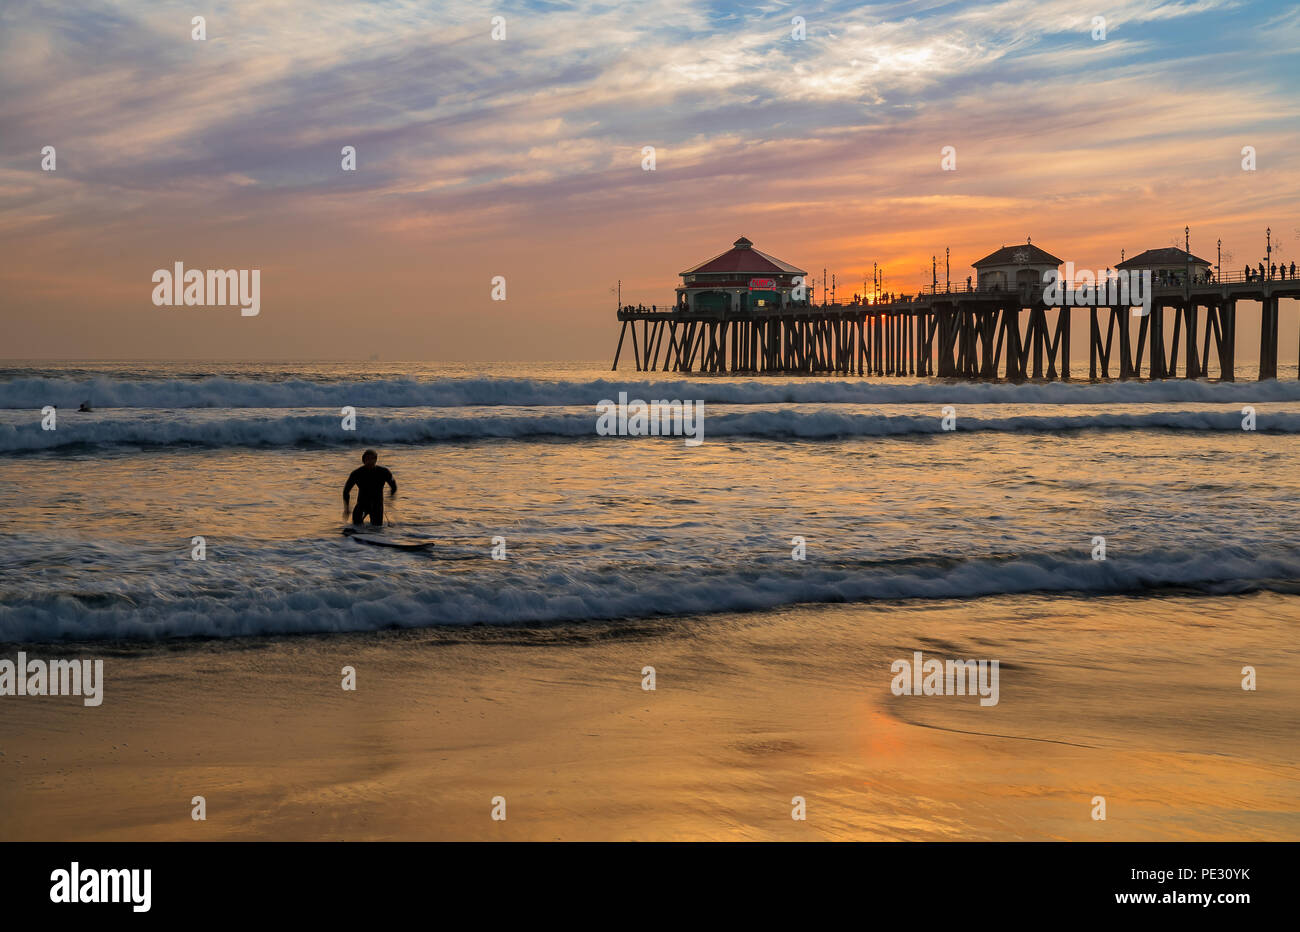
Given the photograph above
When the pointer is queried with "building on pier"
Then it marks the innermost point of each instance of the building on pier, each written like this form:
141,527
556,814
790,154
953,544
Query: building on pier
740,279
1169,265
1014,267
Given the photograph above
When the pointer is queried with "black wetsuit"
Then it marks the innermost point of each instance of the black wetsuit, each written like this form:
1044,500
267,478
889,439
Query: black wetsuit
370,482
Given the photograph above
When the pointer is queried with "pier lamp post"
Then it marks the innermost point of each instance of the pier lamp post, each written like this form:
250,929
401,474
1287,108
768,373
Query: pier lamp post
934,274
947,275
1218,266
1187,251
1268,254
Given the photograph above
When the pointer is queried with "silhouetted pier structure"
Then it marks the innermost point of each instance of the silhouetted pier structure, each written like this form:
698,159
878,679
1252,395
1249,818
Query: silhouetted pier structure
992,333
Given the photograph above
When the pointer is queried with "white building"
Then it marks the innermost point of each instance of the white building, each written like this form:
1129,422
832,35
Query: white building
1168,266
1014,268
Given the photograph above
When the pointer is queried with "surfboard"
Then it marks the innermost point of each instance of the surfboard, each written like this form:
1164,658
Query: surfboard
377,538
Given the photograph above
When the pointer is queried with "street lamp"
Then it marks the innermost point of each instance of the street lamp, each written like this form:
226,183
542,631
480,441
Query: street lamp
1268,256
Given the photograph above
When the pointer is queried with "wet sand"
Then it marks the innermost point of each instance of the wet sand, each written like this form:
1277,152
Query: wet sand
1136,700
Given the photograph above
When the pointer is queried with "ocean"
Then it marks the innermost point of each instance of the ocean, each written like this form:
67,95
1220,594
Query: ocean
678,641
102,513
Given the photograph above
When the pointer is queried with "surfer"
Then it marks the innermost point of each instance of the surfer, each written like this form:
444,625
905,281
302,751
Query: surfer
370,481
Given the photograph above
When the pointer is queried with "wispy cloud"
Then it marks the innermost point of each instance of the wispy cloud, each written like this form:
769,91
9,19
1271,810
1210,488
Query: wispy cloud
832,142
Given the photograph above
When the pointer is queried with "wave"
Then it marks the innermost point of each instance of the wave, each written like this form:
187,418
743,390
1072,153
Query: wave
325,430
503,594
223,392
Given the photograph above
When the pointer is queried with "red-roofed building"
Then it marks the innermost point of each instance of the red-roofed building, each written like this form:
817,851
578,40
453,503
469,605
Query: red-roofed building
740,279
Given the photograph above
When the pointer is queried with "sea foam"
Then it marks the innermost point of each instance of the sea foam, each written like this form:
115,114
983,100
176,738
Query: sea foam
220,392
502,594
82,431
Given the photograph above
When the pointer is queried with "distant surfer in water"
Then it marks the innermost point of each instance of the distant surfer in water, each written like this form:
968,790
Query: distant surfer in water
370,481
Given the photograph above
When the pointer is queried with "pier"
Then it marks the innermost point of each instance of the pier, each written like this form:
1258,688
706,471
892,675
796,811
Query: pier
996,332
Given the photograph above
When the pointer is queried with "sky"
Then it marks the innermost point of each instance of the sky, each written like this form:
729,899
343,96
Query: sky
522,157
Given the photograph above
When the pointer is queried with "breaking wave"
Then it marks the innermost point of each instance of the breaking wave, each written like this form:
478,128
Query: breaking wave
222,392
324,430
502,594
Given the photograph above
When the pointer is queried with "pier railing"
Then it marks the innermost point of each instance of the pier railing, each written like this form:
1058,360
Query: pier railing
1029,293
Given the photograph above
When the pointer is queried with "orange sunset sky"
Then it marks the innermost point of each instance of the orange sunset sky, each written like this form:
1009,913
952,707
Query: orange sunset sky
522,157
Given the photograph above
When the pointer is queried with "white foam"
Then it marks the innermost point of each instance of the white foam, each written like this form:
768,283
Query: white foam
325,430
399,393
505,594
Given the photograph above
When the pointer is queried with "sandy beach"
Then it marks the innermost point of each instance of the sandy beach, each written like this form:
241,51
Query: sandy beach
1137,700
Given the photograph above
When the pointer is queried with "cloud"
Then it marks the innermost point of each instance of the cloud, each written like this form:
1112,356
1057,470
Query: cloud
830,144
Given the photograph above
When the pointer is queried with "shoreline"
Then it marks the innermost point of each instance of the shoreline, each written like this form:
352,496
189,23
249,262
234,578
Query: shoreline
749,711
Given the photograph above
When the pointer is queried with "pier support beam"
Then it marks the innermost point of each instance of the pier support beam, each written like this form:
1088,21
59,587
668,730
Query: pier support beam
619,349
1268,339
1158,367
1094,343
1192,366
1125,342
1228,348
1063,336
1015,367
